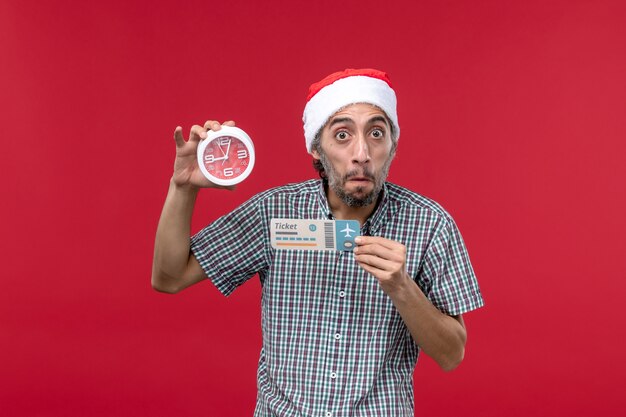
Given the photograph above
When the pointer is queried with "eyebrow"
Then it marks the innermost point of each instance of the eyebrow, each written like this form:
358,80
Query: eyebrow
338,120
378,119
348,120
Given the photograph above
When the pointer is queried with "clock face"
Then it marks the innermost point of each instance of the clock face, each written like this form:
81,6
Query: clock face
226,160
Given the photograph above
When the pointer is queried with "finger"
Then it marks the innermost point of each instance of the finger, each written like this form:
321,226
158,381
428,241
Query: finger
178,137
197,133
370,240
368,268
212,125
229,123
378,263
396,254
377,240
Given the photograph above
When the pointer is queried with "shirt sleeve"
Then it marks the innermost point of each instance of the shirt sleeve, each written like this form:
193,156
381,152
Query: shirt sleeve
449,278
231,250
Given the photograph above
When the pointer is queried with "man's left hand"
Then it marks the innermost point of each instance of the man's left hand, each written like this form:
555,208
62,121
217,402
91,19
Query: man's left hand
383,258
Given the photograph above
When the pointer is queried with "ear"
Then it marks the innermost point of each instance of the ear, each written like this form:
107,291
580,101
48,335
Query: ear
315,154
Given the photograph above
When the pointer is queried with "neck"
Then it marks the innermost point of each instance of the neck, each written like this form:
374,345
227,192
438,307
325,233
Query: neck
342,211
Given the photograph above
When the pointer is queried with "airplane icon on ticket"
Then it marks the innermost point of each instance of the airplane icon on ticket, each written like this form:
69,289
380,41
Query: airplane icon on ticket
347,230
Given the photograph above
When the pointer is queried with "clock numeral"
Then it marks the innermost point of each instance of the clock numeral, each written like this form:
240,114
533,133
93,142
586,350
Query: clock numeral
209,158
224,141
228,172
241,154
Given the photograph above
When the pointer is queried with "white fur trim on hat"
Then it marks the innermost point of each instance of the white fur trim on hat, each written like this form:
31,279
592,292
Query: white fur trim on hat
343,92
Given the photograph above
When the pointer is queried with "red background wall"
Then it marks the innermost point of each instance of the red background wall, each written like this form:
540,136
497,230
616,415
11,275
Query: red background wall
512,117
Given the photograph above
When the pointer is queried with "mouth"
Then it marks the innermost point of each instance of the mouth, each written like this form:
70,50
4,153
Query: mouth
356,178
359,179
358,183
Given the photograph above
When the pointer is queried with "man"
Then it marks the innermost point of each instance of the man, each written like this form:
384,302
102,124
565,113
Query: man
341,330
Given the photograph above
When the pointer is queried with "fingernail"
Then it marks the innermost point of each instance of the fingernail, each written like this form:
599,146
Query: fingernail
357,239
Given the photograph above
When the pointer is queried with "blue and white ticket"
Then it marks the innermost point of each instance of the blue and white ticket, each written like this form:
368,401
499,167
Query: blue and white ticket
304,234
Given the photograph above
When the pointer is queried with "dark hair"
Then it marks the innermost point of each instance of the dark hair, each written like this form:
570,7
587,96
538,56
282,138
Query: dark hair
316,145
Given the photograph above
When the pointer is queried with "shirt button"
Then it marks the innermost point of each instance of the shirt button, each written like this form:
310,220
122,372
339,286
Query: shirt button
333,375
342,294
337,336
329,414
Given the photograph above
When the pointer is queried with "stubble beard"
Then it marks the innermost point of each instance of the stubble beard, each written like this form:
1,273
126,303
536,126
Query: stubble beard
356,198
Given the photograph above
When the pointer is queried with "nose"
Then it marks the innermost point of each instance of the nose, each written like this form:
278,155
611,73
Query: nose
360,150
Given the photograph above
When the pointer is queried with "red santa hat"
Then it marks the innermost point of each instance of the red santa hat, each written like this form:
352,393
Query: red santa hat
343,88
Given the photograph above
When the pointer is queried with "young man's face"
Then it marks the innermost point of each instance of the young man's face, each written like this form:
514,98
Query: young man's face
356,152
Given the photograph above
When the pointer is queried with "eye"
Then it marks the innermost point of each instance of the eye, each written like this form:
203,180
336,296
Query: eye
341,135
378,133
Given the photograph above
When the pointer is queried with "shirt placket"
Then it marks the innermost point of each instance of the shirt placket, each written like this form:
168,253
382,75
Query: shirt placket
336,366
338,337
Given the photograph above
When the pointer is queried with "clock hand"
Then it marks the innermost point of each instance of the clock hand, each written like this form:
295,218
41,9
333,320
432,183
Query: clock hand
221,150
227,152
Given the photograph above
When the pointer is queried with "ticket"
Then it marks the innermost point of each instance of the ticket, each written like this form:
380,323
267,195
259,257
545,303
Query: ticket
305,234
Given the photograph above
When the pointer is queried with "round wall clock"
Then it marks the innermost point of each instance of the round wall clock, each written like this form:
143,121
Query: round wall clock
226,157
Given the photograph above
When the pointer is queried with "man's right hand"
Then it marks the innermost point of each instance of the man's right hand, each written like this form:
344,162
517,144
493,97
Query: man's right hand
174,268
186,169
